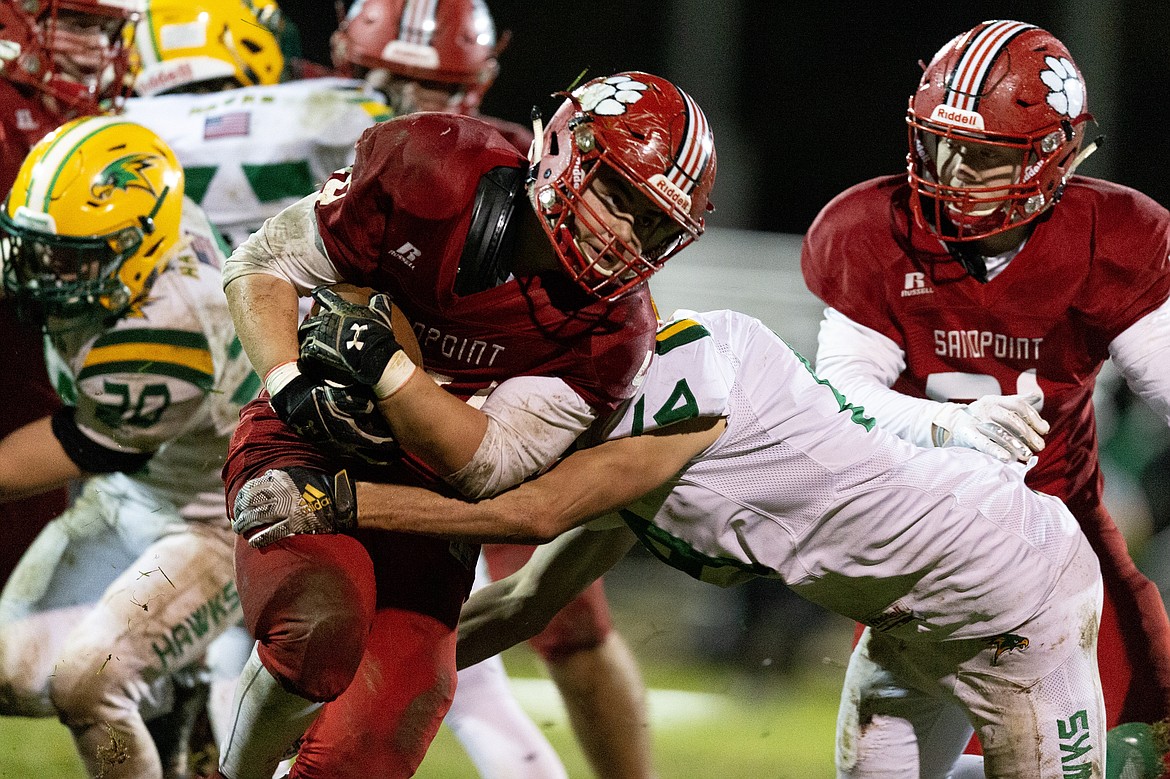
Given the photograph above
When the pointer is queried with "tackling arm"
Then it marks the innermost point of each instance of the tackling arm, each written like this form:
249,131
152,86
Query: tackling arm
33,461
586,485
519,606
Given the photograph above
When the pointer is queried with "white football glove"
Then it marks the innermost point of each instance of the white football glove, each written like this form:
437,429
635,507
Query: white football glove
1007,427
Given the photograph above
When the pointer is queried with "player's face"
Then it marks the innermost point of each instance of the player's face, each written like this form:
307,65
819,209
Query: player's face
618,224
82,44
407,96
985,170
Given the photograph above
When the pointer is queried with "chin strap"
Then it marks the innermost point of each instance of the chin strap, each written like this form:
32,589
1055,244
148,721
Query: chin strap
1084,153
970,259
536,150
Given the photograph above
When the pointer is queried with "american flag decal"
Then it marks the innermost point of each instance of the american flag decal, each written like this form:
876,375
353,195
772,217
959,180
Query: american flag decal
227,125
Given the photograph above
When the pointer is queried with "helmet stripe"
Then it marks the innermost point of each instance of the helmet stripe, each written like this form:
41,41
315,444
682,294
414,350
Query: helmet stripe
60,150
418,22
694,152
976,61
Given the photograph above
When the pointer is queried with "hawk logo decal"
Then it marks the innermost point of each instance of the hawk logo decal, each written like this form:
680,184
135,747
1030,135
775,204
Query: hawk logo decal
123,174
1007,642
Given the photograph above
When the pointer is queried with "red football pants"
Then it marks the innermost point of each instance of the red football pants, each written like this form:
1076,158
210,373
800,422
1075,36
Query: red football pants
365,622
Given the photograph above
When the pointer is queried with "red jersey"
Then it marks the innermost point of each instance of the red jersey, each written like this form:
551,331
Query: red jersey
27,394
1094,265
398,223
517,134
23,122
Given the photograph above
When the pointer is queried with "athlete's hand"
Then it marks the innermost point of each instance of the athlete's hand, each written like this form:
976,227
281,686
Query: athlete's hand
1007,427
294,501
341,420
347,343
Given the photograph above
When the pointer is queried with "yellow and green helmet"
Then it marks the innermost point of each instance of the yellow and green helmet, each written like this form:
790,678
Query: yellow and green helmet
91,219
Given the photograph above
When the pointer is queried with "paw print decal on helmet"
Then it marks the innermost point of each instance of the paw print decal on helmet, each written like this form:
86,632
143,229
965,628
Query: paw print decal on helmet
1068,93
611,96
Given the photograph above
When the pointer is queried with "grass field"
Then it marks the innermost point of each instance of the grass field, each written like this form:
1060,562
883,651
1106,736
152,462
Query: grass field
708,720
778,733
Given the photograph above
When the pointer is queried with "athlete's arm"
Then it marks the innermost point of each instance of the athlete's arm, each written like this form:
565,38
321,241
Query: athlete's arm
1142,354
265,278
862,364
32,461
586,485
521,429
519,606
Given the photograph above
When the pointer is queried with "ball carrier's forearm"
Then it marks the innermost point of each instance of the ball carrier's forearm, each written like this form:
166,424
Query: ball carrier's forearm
264,309
412,411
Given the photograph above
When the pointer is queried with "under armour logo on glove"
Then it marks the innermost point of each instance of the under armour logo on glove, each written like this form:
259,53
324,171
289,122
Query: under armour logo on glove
356,342
345,342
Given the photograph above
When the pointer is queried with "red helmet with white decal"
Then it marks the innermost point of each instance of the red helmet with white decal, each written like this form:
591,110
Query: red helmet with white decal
996,125
447,43
648,135
75,53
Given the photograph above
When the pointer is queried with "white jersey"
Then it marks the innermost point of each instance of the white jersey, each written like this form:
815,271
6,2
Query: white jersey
170,378
247,153
929,543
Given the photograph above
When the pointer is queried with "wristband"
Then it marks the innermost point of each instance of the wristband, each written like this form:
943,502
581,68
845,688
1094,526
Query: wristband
279,377
397,372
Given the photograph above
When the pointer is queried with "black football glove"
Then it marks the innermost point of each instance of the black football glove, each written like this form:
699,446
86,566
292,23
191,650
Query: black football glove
345,342
294,501
343,421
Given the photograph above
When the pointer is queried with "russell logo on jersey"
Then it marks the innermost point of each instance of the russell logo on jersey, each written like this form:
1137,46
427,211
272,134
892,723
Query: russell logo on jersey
915,284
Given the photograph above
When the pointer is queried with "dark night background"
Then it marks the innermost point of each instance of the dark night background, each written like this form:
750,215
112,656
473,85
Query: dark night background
808,98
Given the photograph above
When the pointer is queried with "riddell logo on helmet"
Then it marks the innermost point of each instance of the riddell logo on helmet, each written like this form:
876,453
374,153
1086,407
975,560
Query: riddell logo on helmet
672,193
165,77
411,54
957,116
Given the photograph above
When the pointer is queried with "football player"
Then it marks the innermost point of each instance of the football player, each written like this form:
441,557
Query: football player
250,145
208,84
59,59
972,301
122,593
442,56
503,267
734,460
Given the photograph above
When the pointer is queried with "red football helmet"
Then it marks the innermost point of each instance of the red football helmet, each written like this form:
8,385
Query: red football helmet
448,45
76,53
657,141
995,129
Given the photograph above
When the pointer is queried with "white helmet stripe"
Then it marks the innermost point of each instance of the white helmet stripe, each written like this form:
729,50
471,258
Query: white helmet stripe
694,151
980,54
418,22
60,150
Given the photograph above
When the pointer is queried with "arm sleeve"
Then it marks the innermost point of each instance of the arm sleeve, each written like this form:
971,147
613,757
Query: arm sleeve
862,364
1142,354
287,246
532,420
